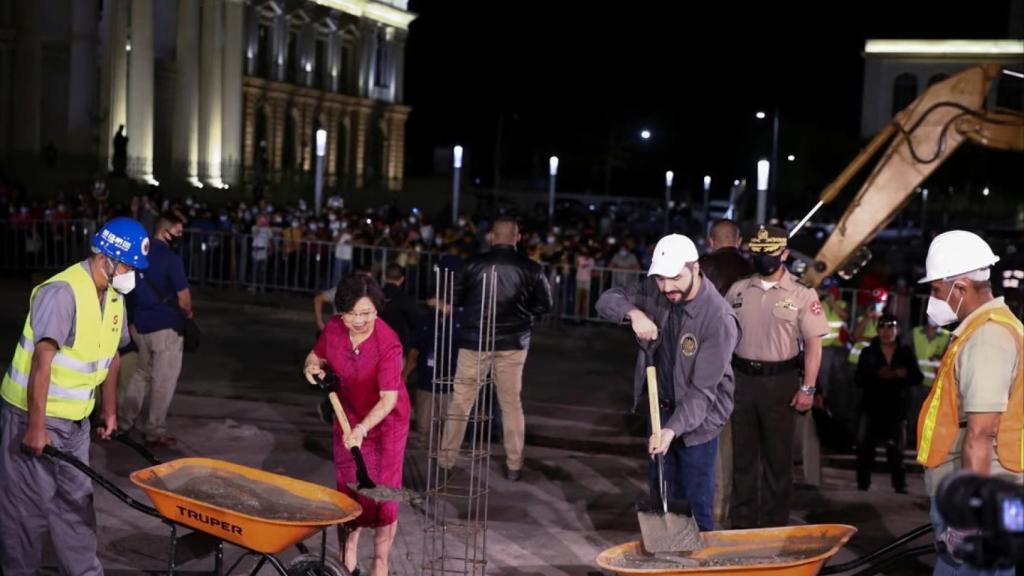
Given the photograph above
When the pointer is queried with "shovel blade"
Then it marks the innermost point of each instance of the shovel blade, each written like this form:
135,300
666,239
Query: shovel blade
672,531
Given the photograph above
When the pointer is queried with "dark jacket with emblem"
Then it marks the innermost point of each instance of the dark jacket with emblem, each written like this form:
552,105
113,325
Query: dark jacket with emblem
703,378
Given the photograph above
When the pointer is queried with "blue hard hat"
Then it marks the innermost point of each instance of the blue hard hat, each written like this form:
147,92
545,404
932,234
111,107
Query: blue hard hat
124,240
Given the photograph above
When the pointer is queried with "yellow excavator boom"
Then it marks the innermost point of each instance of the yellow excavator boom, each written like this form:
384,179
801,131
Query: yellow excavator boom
919,138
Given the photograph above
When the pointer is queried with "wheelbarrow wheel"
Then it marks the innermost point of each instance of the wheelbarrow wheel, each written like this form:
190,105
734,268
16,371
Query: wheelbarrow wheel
309,565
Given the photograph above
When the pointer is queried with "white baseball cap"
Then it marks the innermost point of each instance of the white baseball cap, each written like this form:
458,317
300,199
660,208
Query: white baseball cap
672,253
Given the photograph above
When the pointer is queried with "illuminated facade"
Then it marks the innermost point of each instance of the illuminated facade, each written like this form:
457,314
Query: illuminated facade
210,92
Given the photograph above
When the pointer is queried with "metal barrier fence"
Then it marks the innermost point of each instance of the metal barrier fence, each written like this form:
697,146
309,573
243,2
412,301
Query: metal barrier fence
42,245
263,263
272,263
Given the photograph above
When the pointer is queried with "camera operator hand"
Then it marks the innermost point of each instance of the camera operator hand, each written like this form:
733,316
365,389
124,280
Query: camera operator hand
954,538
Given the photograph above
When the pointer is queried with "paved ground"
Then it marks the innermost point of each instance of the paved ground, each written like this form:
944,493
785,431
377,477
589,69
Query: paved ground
241,399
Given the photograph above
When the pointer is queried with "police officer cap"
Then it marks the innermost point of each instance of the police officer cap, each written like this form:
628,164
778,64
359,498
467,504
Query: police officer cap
768,239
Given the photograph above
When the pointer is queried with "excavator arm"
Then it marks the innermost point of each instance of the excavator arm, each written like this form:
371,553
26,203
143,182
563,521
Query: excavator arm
920,138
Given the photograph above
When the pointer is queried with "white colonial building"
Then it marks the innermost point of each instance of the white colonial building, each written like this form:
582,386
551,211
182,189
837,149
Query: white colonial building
210,92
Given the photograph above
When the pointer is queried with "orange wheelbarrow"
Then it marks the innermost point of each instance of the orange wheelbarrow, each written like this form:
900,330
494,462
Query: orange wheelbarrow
785,551
793,550
260,512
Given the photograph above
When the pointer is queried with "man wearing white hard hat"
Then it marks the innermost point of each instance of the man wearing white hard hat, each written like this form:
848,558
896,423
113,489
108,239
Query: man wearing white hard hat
973,419
688,333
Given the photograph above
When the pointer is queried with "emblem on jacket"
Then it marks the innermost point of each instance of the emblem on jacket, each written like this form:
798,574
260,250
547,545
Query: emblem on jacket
688,344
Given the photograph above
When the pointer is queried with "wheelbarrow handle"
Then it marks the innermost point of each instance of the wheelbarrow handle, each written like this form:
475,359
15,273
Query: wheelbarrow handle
870,559
127,440
96,477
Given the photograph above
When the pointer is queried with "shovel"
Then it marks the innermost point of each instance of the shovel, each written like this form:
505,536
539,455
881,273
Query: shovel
666,526
364,485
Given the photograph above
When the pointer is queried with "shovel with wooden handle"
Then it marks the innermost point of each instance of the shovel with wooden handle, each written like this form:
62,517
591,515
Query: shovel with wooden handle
666,525
364,485
362,475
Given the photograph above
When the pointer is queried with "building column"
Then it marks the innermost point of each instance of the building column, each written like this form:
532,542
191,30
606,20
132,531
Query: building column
211,93
185,147
249,131
140,92
362,121
398,66
367,57
307,108
331,113
82,78
234,38
279,107
114,81
396,146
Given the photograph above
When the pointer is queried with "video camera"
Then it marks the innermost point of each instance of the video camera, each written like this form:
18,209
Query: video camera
995,508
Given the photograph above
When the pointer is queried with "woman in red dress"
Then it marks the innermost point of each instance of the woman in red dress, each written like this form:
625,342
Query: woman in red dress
367,357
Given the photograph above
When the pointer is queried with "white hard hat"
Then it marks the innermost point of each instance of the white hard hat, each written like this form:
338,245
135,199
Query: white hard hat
955,253
671,254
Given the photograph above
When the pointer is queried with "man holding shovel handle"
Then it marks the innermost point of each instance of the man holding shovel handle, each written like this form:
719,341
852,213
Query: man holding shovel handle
687,333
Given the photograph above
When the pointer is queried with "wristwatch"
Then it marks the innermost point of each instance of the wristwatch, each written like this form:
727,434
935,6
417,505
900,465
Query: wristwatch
809,390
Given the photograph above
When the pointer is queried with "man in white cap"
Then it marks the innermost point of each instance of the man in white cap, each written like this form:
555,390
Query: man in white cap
688,332
973,419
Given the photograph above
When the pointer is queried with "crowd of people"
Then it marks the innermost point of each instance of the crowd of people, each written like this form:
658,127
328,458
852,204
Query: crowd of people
743,355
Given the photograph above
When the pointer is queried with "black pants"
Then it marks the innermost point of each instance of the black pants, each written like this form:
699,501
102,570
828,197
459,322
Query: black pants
762,435
872,431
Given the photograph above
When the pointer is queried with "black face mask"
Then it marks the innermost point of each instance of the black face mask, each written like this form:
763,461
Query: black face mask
173,242
766,264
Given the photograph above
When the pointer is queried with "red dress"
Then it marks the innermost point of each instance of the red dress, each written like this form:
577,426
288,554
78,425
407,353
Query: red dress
362,377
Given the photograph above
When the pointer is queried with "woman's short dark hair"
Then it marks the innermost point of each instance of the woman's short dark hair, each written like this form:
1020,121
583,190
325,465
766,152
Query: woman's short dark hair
355,287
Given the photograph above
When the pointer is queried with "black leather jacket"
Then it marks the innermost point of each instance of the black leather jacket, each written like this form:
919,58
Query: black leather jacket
522,293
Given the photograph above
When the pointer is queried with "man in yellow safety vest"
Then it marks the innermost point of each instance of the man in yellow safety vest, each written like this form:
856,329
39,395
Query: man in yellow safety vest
68,349
973,419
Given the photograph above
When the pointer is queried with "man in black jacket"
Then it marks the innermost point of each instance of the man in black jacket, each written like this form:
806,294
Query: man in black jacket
886,371
522,293
723,266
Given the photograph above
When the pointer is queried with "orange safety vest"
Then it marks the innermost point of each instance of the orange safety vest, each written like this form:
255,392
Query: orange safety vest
939,421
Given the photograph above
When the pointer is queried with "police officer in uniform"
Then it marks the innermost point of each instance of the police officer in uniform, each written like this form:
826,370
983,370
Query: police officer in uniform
773,383
68,349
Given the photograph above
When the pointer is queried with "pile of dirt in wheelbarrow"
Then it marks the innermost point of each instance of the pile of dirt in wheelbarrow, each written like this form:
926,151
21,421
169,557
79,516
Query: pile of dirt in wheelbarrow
665,561
243,495
780,550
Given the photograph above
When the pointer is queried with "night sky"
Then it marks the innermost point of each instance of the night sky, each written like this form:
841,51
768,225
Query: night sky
570,77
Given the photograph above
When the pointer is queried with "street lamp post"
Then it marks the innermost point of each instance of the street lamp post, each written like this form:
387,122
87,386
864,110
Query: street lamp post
669,176
773,180
456,180
707,200
321,149
763,175
553,172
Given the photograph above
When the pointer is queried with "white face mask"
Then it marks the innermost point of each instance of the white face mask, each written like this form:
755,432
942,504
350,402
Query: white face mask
940,312
124,283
